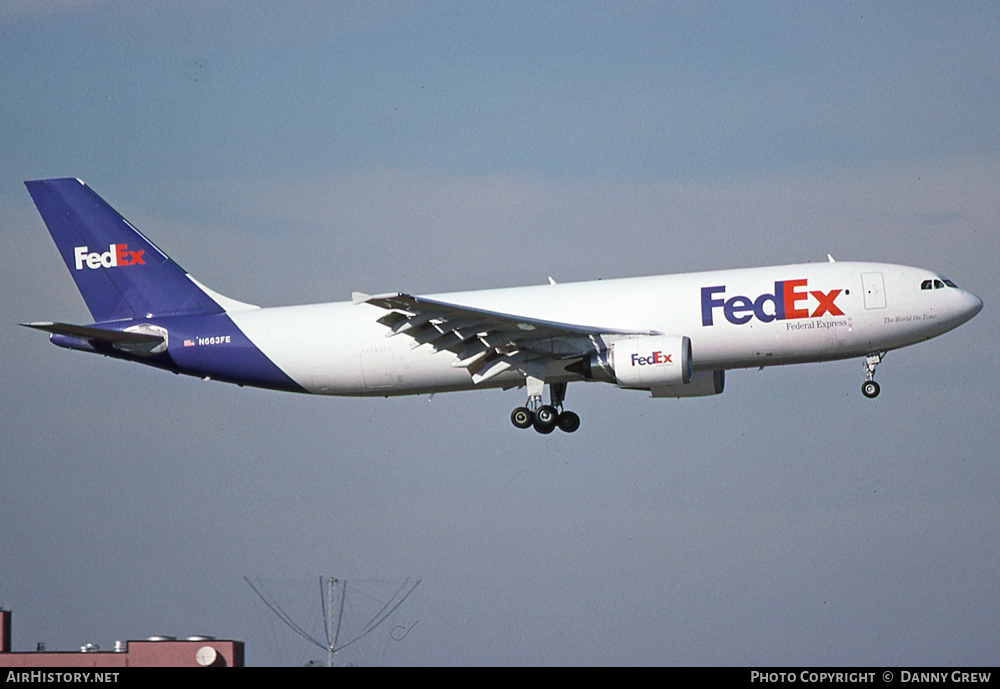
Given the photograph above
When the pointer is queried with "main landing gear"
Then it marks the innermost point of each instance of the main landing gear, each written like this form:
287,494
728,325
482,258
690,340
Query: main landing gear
545,417
870,388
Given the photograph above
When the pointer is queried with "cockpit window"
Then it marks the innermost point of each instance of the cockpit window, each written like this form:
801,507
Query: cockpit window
937,284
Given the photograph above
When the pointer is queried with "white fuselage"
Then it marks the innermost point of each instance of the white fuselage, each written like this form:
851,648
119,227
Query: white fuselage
734,319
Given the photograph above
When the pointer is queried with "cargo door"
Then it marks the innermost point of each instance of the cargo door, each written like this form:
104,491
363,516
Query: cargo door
378,368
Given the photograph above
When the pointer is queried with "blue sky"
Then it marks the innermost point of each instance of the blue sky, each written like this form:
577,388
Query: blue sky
294,152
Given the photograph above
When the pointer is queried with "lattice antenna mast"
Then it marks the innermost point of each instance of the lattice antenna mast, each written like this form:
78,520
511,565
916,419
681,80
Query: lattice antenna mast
334,613
333,619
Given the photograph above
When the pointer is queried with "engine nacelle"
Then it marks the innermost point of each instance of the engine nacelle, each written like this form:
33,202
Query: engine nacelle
651,361
642,363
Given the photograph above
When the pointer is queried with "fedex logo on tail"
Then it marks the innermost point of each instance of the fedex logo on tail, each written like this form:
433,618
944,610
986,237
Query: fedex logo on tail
791,299
116,255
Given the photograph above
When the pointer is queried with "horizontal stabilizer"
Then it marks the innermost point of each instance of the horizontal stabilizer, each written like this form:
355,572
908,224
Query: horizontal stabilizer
96,335
141,340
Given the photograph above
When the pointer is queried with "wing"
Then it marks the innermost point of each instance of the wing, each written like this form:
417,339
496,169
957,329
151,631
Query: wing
487,343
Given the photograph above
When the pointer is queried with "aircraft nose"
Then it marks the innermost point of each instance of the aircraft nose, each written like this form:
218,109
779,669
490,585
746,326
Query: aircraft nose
975,306
971,305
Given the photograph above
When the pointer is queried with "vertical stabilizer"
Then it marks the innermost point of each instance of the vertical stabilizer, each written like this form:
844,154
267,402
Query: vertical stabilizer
120,274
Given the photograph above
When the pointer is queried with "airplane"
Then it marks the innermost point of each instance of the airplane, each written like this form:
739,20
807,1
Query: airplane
669,335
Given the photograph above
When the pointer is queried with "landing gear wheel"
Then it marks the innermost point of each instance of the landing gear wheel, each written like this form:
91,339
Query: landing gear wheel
568,422
870,389
522,417
544,430
545,419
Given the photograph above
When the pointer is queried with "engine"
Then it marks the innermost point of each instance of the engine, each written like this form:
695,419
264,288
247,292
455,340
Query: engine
648,362
661,364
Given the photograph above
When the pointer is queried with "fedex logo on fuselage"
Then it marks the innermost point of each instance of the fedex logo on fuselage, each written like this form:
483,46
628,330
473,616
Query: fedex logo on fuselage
654,358
790,300
116,255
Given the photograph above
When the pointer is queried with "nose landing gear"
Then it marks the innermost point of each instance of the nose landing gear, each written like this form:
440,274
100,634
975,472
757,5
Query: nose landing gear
870,388
545,418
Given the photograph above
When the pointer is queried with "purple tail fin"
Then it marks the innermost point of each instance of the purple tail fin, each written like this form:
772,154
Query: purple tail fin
120,273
